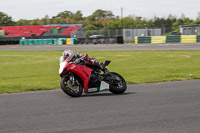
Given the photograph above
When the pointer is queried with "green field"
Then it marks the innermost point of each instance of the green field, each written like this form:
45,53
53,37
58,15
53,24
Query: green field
38,70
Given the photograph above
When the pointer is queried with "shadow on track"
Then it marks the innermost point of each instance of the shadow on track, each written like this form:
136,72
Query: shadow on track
106,94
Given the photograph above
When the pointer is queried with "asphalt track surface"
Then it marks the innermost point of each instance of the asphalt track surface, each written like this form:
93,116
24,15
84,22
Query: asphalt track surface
100,47
170,107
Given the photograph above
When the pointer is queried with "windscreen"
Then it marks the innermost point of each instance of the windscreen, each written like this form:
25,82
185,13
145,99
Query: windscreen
61,59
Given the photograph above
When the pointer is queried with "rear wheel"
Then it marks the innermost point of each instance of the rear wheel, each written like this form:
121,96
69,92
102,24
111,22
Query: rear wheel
120,87
73,88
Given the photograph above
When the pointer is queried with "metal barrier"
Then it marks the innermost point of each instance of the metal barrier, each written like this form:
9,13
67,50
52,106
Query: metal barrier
168,39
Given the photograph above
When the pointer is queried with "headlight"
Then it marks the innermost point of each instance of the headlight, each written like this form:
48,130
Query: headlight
62,65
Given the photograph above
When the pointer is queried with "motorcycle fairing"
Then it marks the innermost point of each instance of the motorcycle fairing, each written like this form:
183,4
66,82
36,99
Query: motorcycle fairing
94,87
98,86
82,71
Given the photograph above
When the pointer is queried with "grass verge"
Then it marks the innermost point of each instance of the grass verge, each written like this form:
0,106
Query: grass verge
38,70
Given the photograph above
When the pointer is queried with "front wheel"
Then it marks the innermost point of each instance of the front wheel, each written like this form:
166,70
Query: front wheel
73,88
120,87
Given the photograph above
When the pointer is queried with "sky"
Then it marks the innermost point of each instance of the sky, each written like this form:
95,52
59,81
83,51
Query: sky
33,9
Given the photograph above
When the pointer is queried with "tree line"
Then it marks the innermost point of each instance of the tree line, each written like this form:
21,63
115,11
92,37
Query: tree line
104,19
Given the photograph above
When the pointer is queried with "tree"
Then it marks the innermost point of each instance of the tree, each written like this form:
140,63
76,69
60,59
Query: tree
187,21
78,16
64,14
175,26
98,14
5,20
34,22
128,22
114,24
22,22
90,27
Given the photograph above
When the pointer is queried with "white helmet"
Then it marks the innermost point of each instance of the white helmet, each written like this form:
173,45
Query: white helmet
68,55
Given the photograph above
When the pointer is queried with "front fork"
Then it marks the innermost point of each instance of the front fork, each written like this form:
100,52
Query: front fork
72,79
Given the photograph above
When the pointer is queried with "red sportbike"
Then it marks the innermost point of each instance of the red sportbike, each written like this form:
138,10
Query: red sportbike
79,78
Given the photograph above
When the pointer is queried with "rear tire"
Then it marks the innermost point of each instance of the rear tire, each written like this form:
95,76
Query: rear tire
69,89
118,88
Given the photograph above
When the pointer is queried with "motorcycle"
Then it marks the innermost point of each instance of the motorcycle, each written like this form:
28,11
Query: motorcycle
77,78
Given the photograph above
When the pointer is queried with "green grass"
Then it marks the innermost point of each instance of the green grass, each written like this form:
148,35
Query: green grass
38,70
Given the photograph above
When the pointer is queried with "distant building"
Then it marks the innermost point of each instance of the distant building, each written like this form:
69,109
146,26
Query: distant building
190,29
130,34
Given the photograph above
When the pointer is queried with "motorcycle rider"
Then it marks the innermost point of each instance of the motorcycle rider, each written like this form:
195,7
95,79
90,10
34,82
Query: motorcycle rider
77,58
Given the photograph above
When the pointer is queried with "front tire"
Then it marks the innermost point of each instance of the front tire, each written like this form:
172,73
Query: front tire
120,87
67,86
